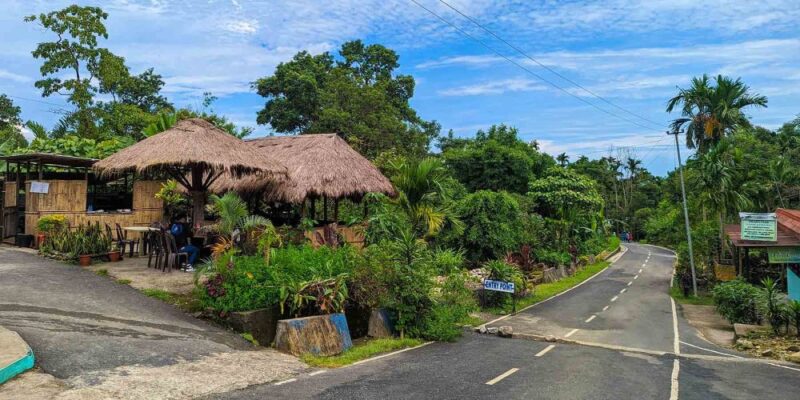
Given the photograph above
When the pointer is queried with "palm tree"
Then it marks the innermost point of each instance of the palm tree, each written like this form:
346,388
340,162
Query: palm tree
563,159
718,182
780,173
709,113
421,195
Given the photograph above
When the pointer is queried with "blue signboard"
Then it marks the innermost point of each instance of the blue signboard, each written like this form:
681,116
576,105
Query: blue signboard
498,286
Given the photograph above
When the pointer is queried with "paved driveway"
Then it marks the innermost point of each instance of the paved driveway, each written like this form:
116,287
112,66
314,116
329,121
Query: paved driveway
86,328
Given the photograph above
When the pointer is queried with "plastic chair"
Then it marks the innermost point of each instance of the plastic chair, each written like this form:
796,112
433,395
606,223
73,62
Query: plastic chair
155,242
120,246
173,255
122,238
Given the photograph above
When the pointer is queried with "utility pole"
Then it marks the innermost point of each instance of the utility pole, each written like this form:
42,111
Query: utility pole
676,132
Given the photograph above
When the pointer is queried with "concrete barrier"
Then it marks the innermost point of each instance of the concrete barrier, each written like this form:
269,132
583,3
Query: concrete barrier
16,356
323,335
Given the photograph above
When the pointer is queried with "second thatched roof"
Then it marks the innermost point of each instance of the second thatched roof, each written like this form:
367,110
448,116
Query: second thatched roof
191,143
317,165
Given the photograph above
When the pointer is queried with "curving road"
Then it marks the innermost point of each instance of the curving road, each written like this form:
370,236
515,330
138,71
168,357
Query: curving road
620,338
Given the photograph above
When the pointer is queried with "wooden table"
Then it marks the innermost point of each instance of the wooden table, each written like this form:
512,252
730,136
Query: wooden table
141,230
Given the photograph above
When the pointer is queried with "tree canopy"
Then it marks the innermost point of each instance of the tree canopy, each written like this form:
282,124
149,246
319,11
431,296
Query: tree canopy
357,95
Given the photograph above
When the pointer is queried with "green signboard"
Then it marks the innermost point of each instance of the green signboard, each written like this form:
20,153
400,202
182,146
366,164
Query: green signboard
759,227
784,255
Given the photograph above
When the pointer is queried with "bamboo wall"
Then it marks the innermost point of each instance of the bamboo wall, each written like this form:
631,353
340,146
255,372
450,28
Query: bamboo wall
10,199
68,198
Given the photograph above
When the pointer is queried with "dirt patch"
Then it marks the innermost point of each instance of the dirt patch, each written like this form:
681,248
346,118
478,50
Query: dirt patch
218,373
135,270
712,326
763,343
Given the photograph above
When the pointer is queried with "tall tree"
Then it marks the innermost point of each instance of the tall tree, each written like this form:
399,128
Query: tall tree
357,95
76,51
496,159
10,122
710,112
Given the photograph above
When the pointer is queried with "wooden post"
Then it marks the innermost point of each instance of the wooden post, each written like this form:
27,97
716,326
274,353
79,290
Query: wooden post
336,211
198,197
325,209
314,208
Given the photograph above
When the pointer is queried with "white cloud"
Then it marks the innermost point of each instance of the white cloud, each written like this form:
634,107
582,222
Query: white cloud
8,75
242,26
494,87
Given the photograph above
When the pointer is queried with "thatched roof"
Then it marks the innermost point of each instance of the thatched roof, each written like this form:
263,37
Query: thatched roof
317,165
191,143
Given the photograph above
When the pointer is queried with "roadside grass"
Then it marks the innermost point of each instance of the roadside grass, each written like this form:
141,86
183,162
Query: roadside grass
249,337
124,281
613,243
360,352
546,290
101,272
703,299
185,302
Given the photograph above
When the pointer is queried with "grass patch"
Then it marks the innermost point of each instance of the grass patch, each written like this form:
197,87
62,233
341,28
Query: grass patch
249,337
124,281
101,272
702,299
185,302
546,290
613,243
360,352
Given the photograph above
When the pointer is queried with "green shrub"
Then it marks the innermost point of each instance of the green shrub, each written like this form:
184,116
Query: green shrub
794,313
493,222
247,283
773,305
737,301
51,223
447,261
551,257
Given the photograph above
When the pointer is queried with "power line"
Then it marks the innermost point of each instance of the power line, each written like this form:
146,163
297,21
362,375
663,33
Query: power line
520,51
525,68
35,101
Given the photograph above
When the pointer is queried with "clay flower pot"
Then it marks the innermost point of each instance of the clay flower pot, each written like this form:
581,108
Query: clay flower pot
114,256
40,239
85,260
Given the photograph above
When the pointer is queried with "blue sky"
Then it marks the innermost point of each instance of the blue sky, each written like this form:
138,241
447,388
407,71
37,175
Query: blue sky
634,53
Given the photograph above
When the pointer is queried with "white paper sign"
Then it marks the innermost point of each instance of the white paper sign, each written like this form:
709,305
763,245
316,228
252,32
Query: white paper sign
40,187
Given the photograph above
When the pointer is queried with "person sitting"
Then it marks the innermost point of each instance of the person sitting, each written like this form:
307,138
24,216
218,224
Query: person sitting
179,231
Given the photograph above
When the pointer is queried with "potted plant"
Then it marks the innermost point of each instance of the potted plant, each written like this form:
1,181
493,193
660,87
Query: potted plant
47,225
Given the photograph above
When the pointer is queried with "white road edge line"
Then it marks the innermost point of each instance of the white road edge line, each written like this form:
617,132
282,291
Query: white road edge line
613,299
389,354
640,270
322,371
605,308
636,277
590,319
676,344
619,255
783,366
572,332
502,376
546,349
286,381
711,351
622,291
673,389
630,283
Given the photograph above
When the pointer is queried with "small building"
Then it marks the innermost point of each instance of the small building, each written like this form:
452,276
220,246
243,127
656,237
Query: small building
40,184
779,235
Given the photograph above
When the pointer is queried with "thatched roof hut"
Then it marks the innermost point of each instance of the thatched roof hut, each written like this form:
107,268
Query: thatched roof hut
318,166
195,153
191,142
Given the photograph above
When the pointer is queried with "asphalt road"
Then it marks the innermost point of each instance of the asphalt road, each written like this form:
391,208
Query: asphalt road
78,322
640,318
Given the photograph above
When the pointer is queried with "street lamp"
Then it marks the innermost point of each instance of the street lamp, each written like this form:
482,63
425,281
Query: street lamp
676,132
